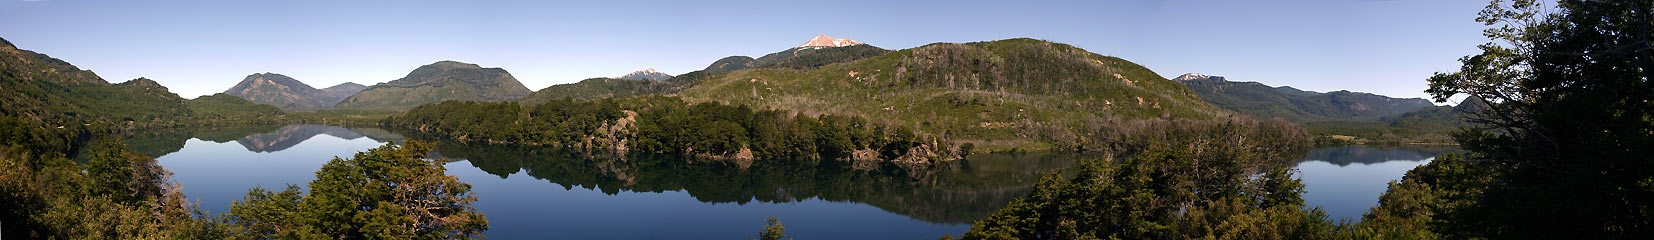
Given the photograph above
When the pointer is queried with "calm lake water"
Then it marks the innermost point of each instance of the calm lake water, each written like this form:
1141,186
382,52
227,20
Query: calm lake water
1346,181
536,193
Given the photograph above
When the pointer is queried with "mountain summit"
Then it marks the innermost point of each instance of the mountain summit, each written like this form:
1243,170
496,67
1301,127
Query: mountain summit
289,94
1198,77
437,82
646,74
824,41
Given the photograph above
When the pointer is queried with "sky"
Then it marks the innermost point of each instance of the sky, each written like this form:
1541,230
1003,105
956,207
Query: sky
203,47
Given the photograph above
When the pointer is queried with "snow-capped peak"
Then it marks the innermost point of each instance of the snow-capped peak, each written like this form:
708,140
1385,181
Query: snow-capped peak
823,41
646,74
1198,77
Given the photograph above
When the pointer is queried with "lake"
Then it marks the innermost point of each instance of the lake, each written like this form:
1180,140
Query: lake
1346,181
536,193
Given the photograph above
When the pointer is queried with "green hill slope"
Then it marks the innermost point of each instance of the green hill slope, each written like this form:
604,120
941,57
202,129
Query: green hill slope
1021,93
228,106
38,87
437,82
794,58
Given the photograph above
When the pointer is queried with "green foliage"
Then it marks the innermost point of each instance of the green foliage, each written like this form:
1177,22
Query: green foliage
117,194
772,230
1562,139
671,126
387,192
225,106
1197,182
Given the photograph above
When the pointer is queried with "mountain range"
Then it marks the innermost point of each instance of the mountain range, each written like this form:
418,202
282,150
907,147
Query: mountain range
646,74
991,93
1265,102
289,94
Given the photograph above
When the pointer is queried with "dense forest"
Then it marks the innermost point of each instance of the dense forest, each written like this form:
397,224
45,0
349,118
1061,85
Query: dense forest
671,126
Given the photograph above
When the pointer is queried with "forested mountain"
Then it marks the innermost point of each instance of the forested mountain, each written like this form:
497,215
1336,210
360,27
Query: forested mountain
290,94
1000,95
437,82
41,88
1015,93
1265,102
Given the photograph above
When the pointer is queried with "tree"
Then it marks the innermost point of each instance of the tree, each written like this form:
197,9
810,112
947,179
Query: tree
388,192
773,230
1566,131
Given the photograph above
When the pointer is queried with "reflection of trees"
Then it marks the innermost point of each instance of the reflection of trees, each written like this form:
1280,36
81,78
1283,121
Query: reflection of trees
1344,156
956,192
167,141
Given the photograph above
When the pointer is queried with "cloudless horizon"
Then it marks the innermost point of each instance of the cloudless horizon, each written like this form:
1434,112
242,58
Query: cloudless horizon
199,48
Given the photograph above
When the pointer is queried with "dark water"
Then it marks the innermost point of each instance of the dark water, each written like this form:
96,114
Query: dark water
1346,181
536,193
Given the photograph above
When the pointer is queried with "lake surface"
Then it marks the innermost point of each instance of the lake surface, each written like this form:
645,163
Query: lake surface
1346,181
538,193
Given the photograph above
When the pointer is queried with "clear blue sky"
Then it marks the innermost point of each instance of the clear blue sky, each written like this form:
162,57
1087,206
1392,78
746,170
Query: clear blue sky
203,47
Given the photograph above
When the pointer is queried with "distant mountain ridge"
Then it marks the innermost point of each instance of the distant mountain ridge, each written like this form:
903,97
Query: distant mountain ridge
437,82
1265,102
824,41
646,74
290,94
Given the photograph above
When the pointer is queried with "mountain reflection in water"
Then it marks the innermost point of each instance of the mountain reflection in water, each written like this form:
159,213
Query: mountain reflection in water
529,192
1346,181
957,192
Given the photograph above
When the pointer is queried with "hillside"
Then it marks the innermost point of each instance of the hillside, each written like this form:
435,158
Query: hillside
1264,102
290,94
227,106
803,57
437,82
41,88
1021,93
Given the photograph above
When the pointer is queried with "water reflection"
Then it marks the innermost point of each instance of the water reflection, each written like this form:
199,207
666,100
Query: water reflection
530,192
1346,181
957,193
261,139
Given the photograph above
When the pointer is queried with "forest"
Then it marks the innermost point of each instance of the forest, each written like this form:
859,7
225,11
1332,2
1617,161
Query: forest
668,125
